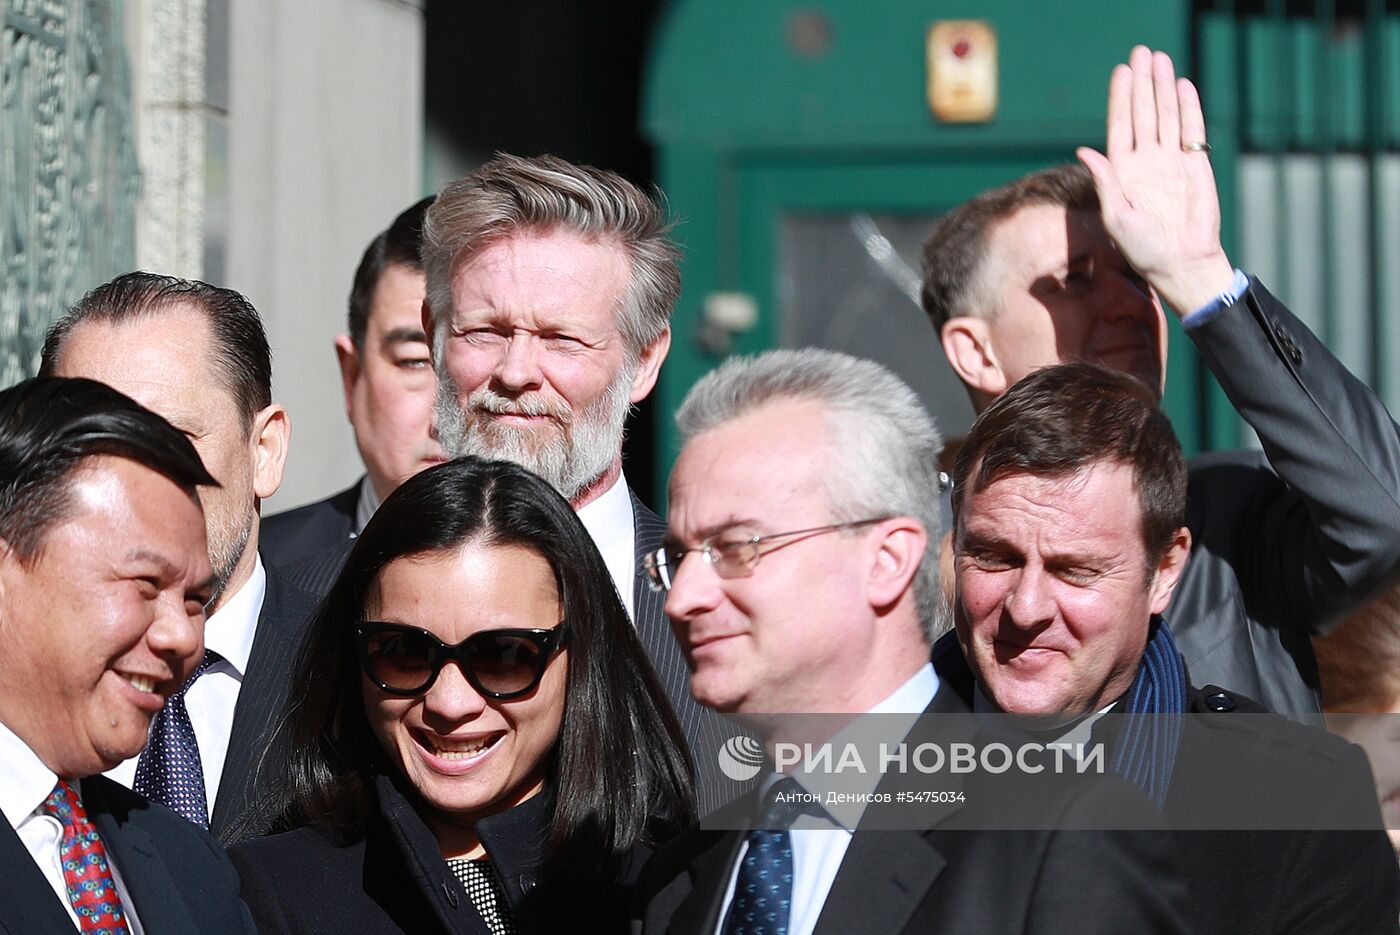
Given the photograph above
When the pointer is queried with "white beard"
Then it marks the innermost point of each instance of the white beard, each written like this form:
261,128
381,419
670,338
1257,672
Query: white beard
570,452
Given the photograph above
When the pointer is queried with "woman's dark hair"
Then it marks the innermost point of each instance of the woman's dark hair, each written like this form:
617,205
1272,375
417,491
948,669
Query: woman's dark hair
619,771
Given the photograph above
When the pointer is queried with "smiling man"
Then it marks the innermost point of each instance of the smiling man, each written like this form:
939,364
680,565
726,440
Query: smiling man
1069,534
550,291
103,581
1075,263
800,581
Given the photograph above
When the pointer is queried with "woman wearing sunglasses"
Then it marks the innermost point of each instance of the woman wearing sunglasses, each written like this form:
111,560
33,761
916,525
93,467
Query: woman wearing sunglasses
479,744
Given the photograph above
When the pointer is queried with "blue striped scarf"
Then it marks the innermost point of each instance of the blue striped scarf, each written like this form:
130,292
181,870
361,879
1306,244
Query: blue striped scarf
1147,746
1144,752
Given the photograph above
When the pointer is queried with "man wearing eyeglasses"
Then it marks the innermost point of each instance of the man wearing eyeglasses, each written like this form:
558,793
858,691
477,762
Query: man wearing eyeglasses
800,581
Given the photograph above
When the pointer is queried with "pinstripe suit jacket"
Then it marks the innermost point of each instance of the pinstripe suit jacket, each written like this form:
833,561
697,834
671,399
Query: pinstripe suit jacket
705,730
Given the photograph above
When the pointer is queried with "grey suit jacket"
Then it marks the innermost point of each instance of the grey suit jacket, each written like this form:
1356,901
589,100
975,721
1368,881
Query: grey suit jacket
267,684
179,879
1284,546
946,877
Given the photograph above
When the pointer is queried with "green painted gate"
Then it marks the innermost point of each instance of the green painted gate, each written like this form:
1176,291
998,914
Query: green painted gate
68,172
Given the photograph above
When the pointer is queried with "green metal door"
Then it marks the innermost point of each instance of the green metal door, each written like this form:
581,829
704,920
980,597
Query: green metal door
797,147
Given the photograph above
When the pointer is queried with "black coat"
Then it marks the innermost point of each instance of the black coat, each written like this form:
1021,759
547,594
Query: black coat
393,879
179,879
1240,769
1235,775
947,876
1284,545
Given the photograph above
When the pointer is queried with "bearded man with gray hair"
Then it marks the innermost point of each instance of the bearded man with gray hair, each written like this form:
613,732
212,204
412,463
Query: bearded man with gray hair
550,291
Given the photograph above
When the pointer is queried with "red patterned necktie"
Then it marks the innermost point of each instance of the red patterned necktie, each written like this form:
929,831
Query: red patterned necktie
91,889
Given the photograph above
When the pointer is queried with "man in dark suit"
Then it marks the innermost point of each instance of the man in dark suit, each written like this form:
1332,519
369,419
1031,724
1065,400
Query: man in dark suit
550,291
1069,538
104,574
389,389
1068,264
197,355
800,581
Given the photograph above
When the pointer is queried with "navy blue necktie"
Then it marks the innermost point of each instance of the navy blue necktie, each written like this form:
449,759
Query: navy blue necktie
170,771
762,903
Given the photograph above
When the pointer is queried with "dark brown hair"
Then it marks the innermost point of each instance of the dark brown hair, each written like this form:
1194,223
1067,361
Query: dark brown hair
1064,419
620,771
239,350
396,245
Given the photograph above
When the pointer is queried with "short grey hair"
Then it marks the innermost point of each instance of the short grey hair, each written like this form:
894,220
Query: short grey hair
511,195
885,461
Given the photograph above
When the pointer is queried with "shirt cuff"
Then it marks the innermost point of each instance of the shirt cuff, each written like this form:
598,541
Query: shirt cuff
1223,301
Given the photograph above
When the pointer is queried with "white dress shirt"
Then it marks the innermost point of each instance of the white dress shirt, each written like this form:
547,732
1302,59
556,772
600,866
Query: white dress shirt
211,699
608,520
819,848
25,783
365,506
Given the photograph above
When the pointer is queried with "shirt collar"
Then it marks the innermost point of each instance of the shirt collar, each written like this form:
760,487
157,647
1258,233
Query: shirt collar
608,520
366,505
908,702
913,696
609,515
25,782
229,631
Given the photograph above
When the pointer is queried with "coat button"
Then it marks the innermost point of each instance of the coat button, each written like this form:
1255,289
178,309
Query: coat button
450,893
1220,702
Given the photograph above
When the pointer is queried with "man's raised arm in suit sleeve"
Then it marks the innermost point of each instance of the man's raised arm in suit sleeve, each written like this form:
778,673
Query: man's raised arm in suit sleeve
1332,538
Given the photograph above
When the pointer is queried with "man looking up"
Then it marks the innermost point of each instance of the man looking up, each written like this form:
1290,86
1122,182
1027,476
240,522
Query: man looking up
1068,264
389,390
550,291
197,355
801,581
104,576
1069,536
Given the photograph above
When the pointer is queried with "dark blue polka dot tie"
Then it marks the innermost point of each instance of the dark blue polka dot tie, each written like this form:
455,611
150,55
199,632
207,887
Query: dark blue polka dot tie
170,771
762,902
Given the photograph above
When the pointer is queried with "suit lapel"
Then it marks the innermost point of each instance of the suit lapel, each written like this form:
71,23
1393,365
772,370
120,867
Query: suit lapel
28,905
260,697
698,913
705,730
157,899
652,627
883,877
